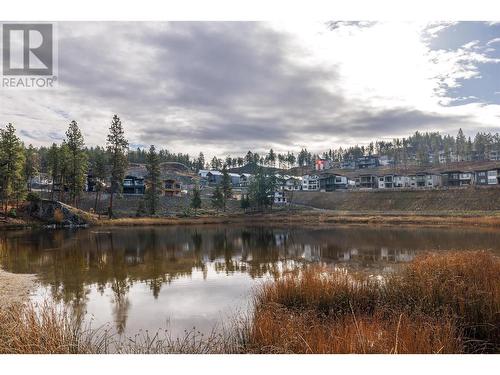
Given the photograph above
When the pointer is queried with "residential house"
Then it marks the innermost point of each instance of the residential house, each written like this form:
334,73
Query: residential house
424,180
245,179
482,177
280,197
214,177
451,178
133,185
235,179
332,182
385,160
322,164
172,187
466,178
348,164
494,155
400,181
310,182
370,161
367,181
386,181
293,184
488,177
203,173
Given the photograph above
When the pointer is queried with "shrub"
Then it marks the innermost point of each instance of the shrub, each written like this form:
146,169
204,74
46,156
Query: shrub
58,215
12,213
33,197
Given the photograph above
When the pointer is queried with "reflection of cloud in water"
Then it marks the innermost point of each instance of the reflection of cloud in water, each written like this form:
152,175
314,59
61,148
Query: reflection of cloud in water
194,276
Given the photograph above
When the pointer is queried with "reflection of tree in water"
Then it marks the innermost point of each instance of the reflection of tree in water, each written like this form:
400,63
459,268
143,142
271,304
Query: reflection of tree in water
71,263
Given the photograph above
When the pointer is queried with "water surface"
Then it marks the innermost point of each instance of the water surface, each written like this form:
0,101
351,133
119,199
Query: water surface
199,276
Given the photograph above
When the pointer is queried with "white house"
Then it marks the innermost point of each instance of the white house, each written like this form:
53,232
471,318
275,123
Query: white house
401,181
493,177
293,183
310,182
203,173
280,197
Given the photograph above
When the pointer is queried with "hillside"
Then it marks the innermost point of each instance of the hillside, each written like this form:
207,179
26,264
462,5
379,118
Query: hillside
466,199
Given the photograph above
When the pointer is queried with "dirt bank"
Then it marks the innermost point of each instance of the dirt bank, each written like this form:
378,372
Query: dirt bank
15,288
424,201
323,218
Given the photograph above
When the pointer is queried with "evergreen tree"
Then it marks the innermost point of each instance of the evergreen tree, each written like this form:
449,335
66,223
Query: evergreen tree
153,182
11,165
31,165
117,147
227,186
196,199
99,172
54,166
245,202
461,145
77,162
261,189
218,198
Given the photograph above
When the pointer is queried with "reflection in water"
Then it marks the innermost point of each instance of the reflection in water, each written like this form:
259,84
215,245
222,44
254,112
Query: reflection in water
139,277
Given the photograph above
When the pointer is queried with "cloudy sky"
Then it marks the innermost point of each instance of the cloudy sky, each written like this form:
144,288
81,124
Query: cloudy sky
227,87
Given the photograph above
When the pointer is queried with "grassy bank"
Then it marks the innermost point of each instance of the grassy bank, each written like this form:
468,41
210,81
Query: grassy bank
319,218
440,303
288,216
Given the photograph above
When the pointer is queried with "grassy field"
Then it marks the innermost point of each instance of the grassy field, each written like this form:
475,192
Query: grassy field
440,303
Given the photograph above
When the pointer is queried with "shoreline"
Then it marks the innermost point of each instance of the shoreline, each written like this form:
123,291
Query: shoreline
320,218
312,217
15,288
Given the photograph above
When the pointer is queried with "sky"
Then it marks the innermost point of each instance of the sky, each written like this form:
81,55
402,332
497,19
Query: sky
228,87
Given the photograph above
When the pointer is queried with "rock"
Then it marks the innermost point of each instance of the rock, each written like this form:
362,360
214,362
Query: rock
58,214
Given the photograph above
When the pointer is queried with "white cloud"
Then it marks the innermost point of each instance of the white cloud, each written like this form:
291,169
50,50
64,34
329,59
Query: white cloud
492,41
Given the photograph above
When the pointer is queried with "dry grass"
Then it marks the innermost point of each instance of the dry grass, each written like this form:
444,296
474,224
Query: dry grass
446,303
315,218
30,329
440,303
48,329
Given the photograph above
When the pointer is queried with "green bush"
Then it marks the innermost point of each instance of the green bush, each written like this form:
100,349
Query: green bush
33,197
12,213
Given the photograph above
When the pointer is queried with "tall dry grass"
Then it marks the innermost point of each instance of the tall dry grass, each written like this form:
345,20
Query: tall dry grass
44,329
441,303
50,329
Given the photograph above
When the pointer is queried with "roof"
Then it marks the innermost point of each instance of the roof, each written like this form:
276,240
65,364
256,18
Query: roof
215,173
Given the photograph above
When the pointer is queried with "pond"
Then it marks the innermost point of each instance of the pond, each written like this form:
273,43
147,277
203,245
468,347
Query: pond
200,276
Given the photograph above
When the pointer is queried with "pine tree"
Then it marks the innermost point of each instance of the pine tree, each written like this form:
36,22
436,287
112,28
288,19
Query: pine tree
245,202
54,166
99,172
196,199
262,188
31,165
227,190
117,148
77,162
153,183
218,198
11,165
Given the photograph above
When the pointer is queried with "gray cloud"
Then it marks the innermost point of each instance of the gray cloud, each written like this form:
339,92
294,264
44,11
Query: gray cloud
222,86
